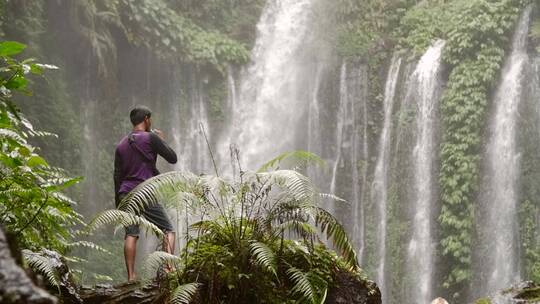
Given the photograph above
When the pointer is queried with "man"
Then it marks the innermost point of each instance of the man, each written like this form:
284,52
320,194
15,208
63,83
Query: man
135,162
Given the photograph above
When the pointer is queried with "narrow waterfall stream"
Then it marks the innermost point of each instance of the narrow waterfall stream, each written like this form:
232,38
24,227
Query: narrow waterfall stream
342,113
501,263
426,90
380,179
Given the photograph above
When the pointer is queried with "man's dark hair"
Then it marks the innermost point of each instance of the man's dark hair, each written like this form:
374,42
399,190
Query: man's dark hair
138,114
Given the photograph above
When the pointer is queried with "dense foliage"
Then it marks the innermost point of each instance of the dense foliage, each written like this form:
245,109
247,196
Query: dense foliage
255,239
475,52
32,205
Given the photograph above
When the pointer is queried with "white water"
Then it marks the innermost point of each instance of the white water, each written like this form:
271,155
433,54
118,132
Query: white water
380,179
314,114
340,119
192,149
420,255
503,168
269,106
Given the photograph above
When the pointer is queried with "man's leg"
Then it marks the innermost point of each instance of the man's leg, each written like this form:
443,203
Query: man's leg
168,246
168,242
130,250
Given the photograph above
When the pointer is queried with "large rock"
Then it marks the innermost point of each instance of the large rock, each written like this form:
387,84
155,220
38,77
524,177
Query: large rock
128,293
351,290
15,286
522,293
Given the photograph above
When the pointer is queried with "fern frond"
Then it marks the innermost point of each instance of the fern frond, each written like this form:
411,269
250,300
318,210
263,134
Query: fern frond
332,197
293,159
41,264
295,184
264,256
183,294
89,245
10,134
335,231
310,286
302,285
120,217
157,259
299,228
154,190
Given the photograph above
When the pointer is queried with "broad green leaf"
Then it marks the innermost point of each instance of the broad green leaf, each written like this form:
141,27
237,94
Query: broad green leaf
10,48
37,161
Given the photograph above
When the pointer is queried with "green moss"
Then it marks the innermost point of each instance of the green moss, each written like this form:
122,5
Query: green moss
483,301
531,294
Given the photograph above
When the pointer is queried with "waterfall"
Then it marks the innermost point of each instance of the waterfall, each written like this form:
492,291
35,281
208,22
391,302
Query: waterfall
340,119
359,177
502,169
426,89
314,114
193,150
349,141
270,104
380,179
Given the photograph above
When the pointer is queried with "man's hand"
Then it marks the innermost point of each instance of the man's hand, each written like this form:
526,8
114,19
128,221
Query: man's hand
159,133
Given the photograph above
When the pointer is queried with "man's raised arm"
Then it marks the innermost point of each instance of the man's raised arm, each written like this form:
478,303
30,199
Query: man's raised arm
161,148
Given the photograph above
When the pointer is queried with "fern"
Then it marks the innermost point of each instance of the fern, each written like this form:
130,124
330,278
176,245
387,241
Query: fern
296,185
310,286
120,217
264,256
153,190
183,294
42,265
294,159
10,134
337,234
156,260
89,245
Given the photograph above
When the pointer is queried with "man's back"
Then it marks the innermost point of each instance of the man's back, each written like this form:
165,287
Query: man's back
135,159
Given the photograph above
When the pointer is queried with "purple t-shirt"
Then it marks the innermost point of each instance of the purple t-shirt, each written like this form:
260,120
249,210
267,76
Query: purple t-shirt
135,159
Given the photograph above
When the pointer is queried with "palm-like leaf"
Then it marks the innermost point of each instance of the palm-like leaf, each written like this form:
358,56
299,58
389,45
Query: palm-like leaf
183,294
156,260
89,245
294,159
302,285
158,188
120,217
295,184
264,256
335,231
41,264
310,286
300,213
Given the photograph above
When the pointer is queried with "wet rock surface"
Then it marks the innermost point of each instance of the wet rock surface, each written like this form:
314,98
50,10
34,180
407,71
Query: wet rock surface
127,293
15,286
351,290
525,292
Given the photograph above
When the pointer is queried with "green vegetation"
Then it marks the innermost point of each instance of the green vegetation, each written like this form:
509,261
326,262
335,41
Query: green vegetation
475,53
253,242
255,239
32,203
